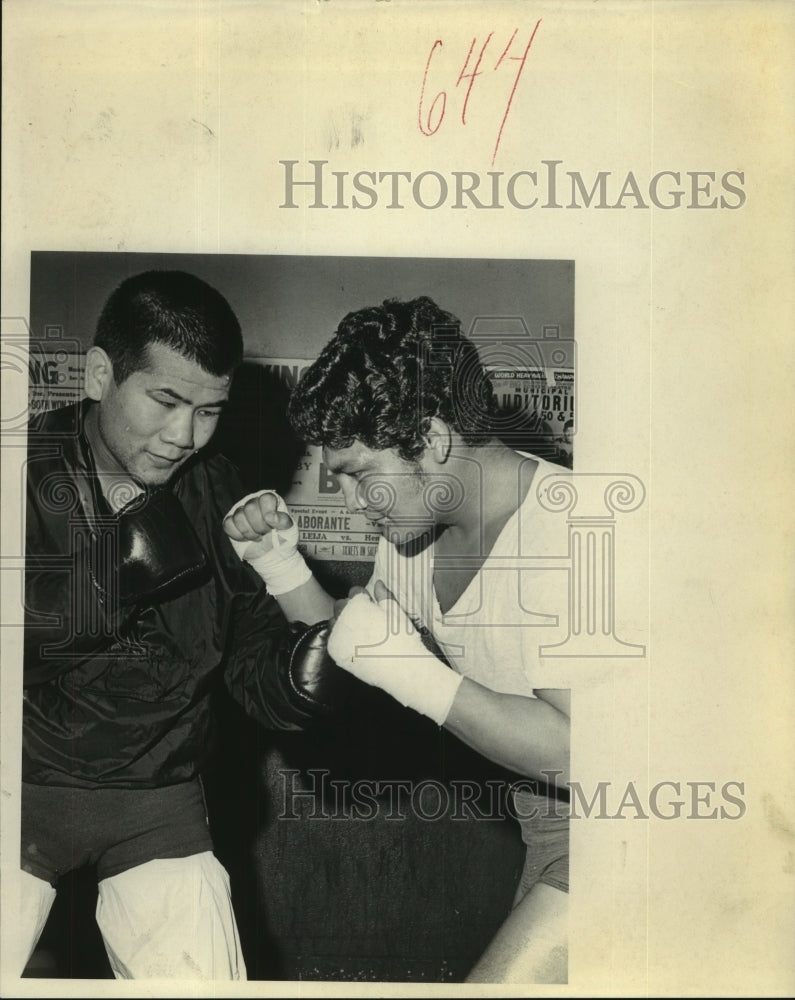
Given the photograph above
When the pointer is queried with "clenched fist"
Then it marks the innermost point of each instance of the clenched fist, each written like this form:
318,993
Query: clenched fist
264,535
255,517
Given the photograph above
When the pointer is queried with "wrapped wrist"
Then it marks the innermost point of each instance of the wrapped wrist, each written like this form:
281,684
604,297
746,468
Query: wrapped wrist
274,557
398,663
281,573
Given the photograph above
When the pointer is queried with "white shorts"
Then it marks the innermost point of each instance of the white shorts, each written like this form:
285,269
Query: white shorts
167,919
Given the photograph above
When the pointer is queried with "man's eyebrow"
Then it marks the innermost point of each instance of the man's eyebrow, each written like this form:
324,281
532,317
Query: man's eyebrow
216,404
344,466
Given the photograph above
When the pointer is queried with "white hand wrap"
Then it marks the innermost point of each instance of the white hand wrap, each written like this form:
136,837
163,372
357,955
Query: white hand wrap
361,643
275,556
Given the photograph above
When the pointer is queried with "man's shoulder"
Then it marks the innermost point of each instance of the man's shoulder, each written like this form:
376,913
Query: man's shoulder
542,514
539,479
210,479
219,465
63,424
55,444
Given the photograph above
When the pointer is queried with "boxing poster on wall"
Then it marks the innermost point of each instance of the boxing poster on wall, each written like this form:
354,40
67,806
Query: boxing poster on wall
544,398
56,379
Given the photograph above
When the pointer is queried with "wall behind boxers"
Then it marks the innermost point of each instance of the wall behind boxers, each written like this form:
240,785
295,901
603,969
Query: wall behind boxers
321,891
291,306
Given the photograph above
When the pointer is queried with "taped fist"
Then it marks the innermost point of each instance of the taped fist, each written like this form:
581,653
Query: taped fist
264,535
376,642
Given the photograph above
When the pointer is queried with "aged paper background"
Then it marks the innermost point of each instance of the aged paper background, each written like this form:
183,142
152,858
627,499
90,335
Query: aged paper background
160,126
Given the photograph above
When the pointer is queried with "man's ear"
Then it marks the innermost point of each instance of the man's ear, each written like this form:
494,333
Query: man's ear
98,373
438,440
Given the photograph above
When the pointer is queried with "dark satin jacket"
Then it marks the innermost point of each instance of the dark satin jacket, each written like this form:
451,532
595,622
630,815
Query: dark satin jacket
125,702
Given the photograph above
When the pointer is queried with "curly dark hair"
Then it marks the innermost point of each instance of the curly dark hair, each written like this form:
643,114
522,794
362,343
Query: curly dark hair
387,371
172,308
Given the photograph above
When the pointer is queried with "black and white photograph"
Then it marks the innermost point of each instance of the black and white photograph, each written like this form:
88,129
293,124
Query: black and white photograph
396,568
160,613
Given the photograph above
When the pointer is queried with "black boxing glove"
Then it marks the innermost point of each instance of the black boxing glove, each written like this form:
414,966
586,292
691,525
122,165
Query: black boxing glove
147,551
317,685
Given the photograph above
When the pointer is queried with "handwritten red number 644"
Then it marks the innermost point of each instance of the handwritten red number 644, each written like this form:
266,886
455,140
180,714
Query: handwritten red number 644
430,120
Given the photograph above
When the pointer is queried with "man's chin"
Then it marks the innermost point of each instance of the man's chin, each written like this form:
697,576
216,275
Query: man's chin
156,471
153,478
408,541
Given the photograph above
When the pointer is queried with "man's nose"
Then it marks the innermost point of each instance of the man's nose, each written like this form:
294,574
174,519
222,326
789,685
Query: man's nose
179,430
376,494
352,496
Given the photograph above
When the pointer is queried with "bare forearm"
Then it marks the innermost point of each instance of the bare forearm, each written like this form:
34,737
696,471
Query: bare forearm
308,603
527,735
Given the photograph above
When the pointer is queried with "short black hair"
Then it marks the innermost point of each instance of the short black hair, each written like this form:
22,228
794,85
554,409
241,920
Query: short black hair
387,371
172,308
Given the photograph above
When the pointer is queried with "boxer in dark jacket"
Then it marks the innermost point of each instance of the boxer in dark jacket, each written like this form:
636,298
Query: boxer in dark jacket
135,601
